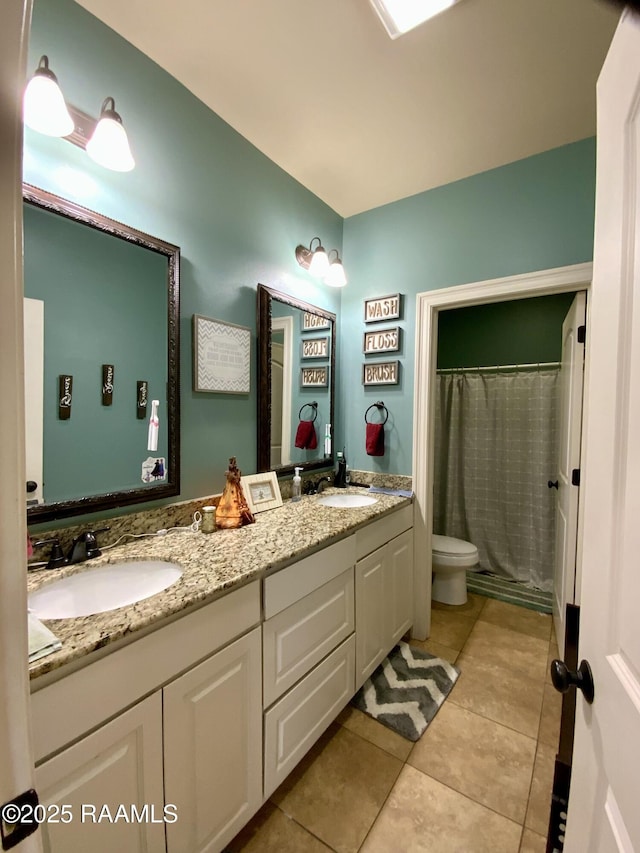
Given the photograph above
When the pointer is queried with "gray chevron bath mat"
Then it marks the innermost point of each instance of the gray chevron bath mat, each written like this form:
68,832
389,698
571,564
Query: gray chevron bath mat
406,690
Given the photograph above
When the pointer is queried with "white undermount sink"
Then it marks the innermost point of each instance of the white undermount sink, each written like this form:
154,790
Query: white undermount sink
347,501
105,588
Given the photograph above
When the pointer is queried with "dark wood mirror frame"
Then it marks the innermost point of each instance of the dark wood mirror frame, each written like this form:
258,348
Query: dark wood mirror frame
95,503
265,297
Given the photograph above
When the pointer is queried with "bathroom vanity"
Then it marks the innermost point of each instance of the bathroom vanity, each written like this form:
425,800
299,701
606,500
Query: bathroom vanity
201,713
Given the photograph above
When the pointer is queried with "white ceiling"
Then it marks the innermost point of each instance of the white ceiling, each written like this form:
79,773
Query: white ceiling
362,120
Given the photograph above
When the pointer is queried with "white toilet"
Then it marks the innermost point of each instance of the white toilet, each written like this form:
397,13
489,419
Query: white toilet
450,559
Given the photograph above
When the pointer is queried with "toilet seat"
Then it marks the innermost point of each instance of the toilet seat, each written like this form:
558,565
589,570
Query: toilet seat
448,551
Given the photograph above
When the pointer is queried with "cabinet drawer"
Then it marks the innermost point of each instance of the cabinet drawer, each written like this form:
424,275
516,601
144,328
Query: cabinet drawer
294,723
299,637
378,533
291,584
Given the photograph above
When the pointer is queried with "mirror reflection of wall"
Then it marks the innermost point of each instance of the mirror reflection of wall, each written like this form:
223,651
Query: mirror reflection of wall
105,302
297,373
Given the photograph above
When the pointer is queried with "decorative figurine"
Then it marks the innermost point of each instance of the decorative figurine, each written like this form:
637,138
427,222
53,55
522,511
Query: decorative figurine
233,510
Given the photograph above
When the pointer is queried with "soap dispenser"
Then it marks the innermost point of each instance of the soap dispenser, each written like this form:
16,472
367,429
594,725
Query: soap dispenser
296,488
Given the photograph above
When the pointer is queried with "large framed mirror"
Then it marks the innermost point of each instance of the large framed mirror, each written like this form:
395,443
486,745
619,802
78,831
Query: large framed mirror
296,383
101,343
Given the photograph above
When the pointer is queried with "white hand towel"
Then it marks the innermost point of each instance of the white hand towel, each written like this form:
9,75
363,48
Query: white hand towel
42,641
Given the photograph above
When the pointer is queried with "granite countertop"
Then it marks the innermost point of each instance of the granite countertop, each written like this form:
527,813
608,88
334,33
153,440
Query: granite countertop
214,564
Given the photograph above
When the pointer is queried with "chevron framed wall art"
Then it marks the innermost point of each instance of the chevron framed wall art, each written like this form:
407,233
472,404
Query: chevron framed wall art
221,356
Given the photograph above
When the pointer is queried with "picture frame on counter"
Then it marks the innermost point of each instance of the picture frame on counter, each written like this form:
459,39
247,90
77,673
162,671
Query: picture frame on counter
261,491
221,356
381,373
381,340
314,347
314,377
383,308
313,322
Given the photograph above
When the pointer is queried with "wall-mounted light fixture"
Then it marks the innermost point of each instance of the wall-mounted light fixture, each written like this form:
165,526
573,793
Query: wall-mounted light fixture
44,107
336,276
104,139
319,263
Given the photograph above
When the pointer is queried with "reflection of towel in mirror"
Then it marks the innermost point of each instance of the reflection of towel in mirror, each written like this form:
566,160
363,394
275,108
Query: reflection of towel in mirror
306,437
375,440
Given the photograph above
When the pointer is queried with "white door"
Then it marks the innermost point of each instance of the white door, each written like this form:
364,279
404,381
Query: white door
16,764
603,813
570,430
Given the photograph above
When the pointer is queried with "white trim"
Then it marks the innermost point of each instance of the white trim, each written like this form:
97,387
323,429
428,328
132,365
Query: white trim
285,324
16,766
543,283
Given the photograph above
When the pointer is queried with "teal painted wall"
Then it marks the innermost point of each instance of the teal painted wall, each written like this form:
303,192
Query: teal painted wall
523,331
530,215
236,216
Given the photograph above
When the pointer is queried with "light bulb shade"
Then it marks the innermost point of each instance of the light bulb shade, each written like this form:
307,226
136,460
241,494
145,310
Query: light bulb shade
336,276
44,108
319,265
109,145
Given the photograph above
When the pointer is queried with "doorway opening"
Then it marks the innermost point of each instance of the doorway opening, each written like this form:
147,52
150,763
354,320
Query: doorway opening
429,305
507,431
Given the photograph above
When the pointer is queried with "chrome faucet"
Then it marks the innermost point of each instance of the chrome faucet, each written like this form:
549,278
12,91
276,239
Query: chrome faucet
85,546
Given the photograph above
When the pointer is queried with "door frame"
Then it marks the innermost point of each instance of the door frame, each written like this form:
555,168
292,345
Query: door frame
285,325
428,305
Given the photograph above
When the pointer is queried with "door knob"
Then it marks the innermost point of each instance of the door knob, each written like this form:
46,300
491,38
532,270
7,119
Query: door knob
563,678
553,484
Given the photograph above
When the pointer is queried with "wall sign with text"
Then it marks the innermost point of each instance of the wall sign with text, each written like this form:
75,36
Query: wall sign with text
381,373
381,340
311,322
382,308
315,348
314,377
221,356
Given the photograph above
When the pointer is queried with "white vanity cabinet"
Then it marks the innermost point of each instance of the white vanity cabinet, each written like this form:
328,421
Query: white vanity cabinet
172,719
201,719
120,764
384,588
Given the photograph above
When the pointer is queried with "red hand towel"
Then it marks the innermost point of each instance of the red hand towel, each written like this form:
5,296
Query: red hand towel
306,437
375,440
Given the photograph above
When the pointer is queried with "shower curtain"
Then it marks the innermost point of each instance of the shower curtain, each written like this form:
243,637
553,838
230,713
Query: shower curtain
496,446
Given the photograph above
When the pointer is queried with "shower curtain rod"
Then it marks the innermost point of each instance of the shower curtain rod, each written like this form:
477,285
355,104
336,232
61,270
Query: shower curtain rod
496,367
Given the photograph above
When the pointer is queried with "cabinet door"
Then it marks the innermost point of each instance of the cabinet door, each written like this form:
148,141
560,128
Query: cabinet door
213,747
120,764
399,586
370,614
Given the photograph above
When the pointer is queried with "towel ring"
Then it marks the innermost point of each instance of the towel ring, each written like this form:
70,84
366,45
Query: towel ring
379,405
314,406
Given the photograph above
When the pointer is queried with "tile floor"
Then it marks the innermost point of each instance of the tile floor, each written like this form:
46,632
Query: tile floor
478,780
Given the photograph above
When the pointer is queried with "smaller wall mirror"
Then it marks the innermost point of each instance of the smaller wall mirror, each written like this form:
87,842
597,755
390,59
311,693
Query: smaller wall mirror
296,370
101,318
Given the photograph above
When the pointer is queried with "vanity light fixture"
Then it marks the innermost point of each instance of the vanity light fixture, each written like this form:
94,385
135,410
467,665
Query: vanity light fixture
336,276
109,144
314,260
45,111
399,17
317,262
44,107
